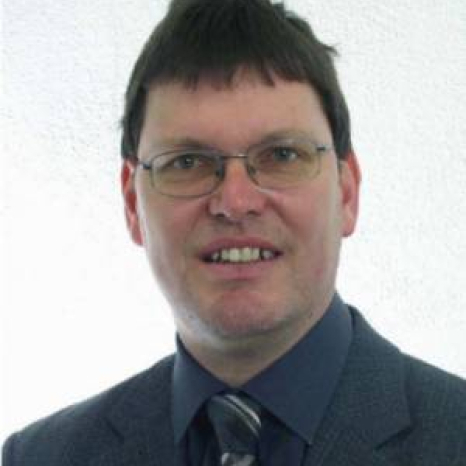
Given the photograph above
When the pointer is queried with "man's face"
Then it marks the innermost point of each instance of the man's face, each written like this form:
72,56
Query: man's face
303,225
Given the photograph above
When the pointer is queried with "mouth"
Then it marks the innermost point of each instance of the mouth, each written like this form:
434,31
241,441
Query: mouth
241,255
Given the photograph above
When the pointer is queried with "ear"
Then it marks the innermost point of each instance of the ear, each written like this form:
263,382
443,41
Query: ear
350,180
128,170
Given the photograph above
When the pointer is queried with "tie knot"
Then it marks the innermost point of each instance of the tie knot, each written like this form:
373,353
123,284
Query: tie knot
236,422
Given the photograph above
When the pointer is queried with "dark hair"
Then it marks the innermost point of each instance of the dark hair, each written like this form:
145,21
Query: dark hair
213,39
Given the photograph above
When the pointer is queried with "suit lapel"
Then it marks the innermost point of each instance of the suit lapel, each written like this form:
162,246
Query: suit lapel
369,406
143,422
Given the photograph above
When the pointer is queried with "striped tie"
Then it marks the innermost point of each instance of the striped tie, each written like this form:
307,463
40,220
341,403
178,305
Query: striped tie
237,424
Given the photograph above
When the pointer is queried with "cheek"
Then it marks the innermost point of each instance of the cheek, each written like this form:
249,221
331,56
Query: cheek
317,231
163,243
166,226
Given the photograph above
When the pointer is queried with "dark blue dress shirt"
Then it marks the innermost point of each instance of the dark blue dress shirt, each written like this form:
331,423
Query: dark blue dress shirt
295,392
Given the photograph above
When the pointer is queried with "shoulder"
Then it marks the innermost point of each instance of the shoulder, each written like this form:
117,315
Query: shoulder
431,400
436,397
50,440
424,383
437,408
436,387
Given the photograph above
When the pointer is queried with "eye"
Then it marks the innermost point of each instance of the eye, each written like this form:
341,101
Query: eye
284,154
277,157
186,161
181,162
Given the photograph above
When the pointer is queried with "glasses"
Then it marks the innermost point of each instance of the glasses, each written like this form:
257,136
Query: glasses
194,172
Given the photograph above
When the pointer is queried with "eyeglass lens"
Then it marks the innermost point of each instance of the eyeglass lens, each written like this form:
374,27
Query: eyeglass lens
196,172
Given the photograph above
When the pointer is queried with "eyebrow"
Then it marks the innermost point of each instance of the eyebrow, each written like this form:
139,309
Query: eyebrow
169,144
174,143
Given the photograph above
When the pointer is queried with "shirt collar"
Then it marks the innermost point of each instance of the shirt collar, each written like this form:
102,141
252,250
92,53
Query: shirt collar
296,388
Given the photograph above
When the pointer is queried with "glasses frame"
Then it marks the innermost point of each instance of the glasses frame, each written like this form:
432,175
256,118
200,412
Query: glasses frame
221,159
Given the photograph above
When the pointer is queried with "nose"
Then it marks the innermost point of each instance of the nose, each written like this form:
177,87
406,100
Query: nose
237,196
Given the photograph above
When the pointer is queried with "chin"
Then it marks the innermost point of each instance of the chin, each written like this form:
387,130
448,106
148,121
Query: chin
236,321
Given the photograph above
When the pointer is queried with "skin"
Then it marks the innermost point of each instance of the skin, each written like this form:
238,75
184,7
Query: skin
236,320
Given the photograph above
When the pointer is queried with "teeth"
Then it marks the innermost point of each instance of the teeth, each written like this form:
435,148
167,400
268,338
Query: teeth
235,255
267,255
225,255
246,254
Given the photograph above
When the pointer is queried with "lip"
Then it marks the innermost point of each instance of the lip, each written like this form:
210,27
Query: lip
238,271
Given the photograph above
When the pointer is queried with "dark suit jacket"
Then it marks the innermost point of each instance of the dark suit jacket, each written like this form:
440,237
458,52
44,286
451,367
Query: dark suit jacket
389,409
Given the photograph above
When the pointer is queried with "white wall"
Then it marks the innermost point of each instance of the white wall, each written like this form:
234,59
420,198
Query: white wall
80,308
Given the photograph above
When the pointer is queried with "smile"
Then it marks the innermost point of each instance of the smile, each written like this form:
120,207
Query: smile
241,255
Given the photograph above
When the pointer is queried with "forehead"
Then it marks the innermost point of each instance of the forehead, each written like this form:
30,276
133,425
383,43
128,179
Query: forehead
232,116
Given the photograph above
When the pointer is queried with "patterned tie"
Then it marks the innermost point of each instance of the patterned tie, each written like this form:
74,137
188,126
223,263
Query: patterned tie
237,424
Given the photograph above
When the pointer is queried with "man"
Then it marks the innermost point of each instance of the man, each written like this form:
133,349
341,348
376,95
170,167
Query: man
239,181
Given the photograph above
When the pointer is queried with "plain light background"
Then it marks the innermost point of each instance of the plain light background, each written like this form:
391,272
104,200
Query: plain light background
80,308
